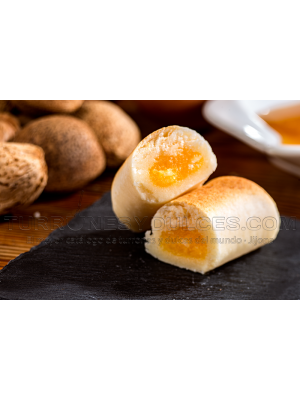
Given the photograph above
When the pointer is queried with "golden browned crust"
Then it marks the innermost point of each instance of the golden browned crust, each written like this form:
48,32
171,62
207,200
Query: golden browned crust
116,131
23,174
73,154
51,106
222,198
221,190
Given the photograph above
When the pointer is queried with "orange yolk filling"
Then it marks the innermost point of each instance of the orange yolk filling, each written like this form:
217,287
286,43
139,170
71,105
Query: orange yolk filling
184,243
169,169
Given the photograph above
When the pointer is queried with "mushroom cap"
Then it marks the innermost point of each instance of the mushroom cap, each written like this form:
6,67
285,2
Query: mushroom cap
23,174
116,131
9,125
72,151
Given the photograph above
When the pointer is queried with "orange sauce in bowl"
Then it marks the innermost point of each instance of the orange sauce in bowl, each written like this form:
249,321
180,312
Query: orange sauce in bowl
286,121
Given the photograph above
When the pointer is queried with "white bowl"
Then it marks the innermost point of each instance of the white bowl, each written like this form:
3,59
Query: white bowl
240,118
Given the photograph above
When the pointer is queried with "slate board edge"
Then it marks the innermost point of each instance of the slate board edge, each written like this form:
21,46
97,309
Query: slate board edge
55,233
184,292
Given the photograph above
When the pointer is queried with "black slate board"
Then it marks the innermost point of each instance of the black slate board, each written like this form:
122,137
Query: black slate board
68,266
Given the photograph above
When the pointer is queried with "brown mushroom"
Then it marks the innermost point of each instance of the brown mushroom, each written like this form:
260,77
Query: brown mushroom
72,151
23,174
116,131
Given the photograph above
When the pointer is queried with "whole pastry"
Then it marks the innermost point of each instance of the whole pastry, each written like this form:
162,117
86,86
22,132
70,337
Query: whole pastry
204,229
116,131
72,151
51,106
23,174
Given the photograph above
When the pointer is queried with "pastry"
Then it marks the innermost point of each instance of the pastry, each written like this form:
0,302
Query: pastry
166,164
204,229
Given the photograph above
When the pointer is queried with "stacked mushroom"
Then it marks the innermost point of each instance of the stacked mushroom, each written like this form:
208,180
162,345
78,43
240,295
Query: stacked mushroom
71,142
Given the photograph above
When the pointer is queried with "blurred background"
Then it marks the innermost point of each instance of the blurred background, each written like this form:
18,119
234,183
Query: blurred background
166,112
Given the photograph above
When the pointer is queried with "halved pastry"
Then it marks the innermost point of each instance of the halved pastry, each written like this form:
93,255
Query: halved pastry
204,229
166,164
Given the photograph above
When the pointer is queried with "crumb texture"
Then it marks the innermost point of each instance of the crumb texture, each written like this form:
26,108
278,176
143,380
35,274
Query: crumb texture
172,158
166,164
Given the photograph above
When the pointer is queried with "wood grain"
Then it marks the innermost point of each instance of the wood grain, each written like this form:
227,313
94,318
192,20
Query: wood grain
27,227
80,263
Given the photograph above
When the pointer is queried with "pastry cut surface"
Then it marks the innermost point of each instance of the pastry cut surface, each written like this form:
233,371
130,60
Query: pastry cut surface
184,243
225,219
167,170
166,164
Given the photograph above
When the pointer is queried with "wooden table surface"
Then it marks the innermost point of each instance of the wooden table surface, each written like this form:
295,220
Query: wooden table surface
27,227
